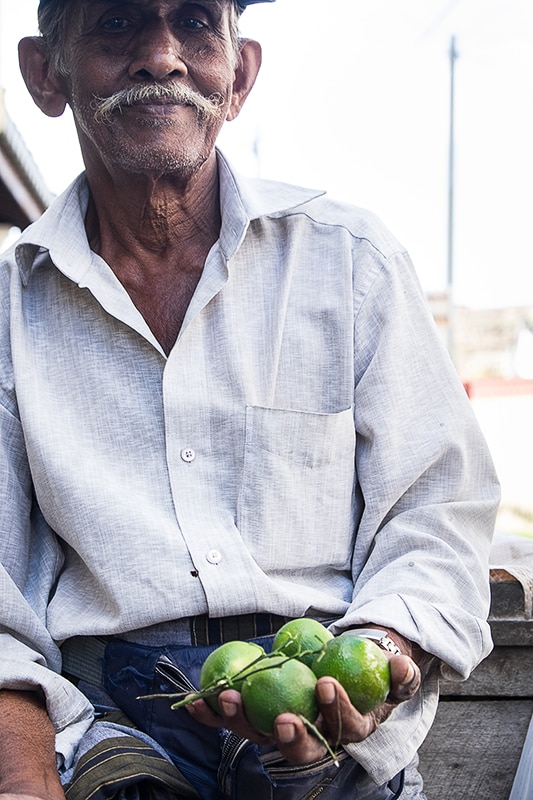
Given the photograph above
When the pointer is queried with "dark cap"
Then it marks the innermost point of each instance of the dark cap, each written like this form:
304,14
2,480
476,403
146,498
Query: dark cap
242,3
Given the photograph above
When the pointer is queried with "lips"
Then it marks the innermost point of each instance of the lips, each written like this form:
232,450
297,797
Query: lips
154,107
154,103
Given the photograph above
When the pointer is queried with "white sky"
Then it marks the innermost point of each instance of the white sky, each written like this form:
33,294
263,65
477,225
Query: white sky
354,98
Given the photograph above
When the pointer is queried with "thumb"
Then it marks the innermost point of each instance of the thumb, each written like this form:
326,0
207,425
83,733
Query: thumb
405,679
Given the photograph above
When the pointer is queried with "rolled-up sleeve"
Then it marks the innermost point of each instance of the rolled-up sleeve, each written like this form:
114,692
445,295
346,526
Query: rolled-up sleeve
30,558
428,490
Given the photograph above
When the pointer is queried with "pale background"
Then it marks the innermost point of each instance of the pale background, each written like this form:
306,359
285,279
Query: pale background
354,98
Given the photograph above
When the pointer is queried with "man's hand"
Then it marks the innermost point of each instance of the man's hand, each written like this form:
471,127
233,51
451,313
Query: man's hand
27,749
338,721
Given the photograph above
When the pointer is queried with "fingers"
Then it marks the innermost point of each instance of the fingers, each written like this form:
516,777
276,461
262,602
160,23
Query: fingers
231,717
295,743
291,737
342,723
405,679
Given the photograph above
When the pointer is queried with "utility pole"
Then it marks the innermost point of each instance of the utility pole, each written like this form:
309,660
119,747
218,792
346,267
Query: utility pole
1,39
451,203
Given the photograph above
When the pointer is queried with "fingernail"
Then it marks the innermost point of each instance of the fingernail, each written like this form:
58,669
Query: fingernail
285,733
326,692
228,709
409,675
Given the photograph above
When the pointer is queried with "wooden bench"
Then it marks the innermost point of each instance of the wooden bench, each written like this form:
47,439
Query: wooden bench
481,744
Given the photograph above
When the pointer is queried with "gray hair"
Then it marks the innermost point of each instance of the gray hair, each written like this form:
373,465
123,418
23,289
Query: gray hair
55,19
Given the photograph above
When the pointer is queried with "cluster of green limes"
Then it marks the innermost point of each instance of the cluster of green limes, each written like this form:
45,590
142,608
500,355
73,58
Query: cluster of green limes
284,680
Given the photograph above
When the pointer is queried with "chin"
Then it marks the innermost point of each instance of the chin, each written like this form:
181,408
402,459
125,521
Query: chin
157,146
157,161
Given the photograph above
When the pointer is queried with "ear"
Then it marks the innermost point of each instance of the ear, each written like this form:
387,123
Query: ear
246,71
45,87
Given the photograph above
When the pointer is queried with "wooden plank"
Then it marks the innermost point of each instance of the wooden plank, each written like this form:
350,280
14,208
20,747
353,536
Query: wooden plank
507,632
473,749
507,672
523,781
509,620
507,596
478,741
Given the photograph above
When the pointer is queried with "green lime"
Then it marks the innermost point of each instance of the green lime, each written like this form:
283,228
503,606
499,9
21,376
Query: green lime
224,668
280,685
299,636
360,666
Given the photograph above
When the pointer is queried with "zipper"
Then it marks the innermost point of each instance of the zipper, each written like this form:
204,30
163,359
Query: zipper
233,748
318,789
276,765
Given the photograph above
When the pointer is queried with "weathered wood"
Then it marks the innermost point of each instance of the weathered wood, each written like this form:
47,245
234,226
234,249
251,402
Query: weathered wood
507,672
523,782
512,632
473,750
507,596
475,746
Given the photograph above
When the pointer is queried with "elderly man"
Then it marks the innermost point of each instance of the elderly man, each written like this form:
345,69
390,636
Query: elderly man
223,404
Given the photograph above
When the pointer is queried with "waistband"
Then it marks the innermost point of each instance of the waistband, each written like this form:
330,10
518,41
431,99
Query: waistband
206,630
82,655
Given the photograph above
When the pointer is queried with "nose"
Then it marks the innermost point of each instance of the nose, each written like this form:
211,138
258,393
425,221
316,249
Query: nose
156,54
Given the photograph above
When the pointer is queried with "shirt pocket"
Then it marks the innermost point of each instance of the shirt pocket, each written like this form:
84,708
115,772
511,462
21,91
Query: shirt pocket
296,509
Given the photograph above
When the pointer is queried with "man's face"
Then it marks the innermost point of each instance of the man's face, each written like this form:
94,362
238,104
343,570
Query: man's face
116,45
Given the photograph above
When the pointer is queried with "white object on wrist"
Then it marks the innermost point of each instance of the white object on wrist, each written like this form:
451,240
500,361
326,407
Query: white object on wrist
381,638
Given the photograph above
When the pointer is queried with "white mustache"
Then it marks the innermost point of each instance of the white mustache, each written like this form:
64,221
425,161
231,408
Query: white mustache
105,107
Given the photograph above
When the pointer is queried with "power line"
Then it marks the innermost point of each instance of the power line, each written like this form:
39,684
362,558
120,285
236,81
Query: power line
438,19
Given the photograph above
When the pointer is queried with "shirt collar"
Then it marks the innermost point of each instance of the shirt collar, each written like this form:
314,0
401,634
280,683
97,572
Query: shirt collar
60,231
245,199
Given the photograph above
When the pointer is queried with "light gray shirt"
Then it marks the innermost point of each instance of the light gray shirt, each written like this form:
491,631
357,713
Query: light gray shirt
306,448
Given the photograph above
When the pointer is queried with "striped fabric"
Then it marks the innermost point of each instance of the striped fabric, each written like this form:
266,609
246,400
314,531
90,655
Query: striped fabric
125,766
216,630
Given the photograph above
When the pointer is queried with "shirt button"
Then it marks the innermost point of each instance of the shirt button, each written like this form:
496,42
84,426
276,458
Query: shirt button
188,454
214,556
